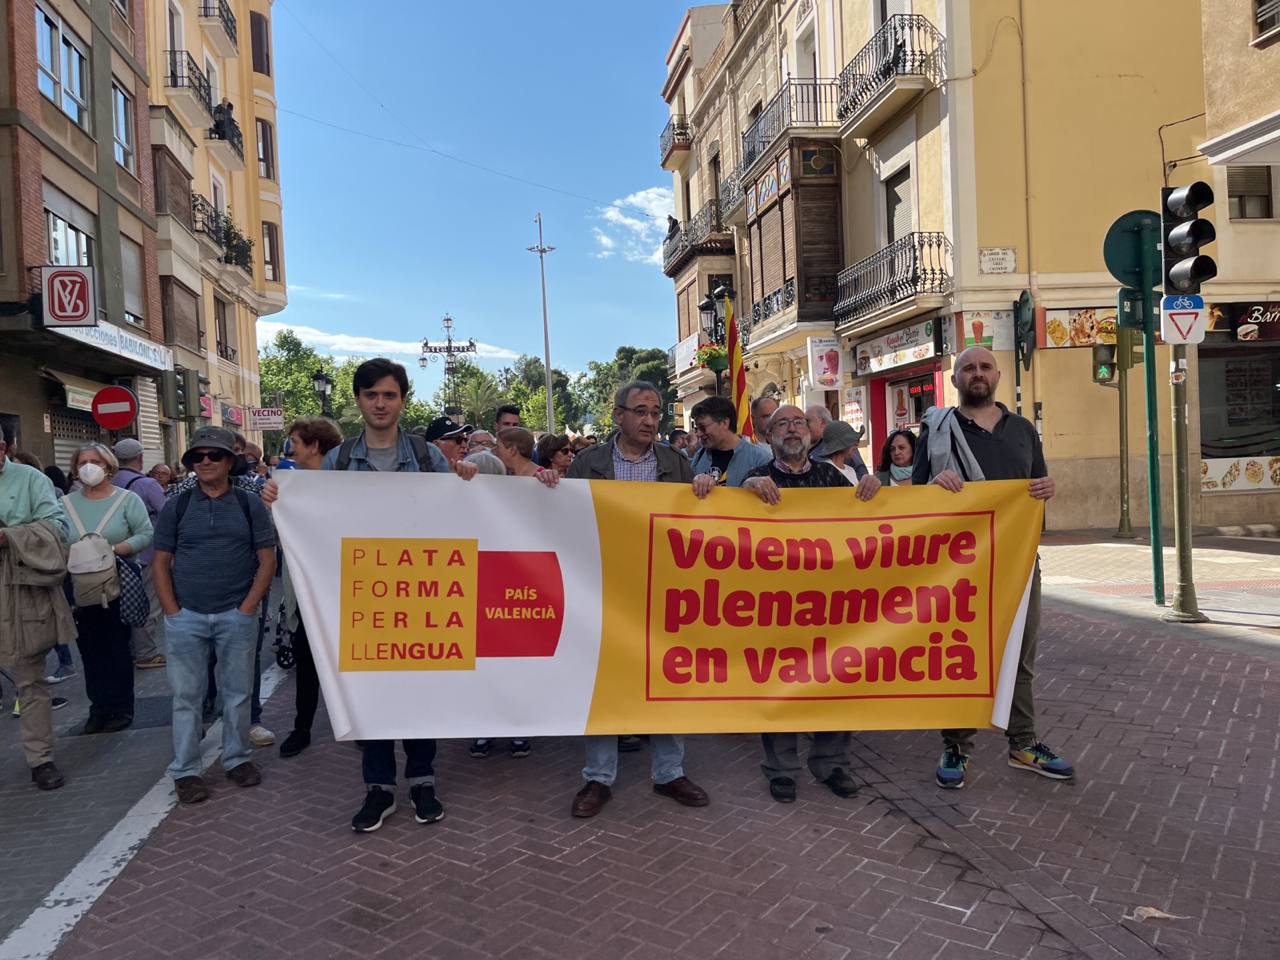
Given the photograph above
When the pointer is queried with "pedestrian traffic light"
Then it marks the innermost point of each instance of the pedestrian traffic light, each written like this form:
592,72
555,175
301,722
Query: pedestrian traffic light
1104,362
1182,234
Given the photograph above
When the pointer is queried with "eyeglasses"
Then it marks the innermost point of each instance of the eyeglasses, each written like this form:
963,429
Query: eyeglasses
645,413
213,456
487,444
795,423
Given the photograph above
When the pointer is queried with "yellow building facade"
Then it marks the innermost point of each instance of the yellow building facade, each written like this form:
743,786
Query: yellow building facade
880,181
218,205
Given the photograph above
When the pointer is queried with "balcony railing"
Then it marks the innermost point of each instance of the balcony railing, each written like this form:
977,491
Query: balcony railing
704,223
208,219
671,363
226,129
776,302
185,73
800,103
673,247
222,10
907,45
918,264
237,249
226,352
744,11
676,133
731,192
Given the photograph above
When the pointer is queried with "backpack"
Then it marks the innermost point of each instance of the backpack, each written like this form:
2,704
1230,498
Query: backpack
420,452
95,581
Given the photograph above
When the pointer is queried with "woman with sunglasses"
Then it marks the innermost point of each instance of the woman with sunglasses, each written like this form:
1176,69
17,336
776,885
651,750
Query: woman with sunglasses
103,638
555,453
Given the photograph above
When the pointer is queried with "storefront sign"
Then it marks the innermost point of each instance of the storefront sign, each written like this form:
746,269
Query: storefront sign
109,337
905,345
1080,326
826,362
603,612
206,407
232,414
855,407
68,297
997,260
992,329
266,418
1246,321
1239,473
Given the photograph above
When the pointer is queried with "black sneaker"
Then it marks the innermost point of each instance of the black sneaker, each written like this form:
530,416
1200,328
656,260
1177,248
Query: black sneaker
521,748
378,805
480,748
295,743
426,808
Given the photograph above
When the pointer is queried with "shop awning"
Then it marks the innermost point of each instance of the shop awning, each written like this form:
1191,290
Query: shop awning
79,390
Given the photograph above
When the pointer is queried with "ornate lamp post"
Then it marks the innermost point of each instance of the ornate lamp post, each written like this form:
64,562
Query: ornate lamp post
322,384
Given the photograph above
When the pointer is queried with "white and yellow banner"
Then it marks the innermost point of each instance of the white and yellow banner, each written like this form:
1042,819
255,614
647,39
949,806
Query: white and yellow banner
437,607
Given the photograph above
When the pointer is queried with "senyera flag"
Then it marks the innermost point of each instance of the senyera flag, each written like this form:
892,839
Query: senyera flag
496,607
738,373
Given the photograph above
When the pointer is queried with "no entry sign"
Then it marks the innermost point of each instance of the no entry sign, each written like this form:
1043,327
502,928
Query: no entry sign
114,408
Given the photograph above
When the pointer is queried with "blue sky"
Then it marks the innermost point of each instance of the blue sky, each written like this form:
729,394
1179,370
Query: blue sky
382,240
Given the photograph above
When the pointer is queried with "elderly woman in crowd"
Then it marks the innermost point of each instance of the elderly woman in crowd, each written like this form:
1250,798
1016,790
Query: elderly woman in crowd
120,517
515,450
555,452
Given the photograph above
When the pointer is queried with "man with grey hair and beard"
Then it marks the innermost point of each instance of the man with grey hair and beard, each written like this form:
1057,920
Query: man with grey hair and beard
791,467
981,440
634,453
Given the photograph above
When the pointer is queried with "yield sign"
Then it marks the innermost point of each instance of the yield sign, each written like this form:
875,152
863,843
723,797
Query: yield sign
114,407
1183,319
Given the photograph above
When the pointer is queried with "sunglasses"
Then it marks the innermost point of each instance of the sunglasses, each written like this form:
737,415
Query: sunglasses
213,456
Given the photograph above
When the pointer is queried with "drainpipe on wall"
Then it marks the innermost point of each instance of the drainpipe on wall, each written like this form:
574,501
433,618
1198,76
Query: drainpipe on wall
1032,283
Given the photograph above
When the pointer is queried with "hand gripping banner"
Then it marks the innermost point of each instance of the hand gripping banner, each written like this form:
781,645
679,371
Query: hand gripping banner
437,607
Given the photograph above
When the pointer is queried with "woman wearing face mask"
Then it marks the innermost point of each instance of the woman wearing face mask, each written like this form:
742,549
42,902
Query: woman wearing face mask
103,640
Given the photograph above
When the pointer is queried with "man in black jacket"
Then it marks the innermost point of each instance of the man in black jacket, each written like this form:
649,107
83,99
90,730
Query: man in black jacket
633,453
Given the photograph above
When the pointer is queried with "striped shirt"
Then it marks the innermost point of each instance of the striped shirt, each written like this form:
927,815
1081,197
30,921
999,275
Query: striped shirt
646,468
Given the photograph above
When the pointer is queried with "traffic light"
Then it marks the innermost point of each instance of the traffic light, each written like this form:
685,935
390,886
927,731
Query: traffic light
1104,362
169,394
190,393
1182,234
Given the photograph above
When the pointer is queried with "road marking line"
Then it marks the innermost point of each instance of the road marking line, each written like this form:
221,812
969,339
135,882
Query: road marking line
40,934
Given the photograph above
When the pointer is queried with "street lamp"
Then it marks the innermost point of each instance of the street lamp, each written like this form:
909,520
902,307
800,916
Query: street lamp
322,384
711,311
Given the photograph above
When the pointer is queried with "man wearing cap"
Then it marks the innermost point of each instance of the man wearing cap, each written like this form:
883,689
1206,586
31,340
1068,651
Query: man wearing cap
148,639
214,562
836,445
450,437
791,467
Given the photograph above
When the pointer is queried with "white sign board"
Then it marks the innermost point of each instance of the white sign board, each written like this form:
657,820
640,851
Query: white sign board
266,418
826,363
904,345
109,337
1183,319
997,260
686,354
68,296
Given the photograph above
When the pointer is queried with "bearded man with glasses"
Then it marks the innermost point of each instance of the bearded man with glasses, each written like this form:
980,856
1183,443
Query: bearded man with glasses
633,453
215,558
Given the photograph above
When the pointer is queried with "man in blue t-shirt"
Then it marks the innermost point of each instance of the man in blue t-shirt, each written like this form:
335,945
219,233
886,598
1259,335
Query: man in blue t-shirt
214,562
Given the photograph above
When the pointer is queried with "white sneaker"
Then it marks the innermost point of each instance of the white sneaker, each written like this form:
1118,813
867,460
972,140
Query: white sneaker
260,736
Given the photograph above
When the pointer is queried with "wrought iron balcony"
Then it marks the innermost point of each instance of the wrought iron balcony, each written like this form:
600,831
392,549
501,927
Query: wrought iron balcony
227,352
917,265
671,363
220,24
208,220
226,243
677,134
704,223
237,248
705,233
672,248
189,87
770,304
744,11
905,56
226,130
800,103
731,193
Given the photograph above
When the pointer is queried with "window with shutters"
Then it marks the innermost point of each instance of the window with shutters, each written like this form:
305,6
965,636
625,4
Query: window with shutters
135,297
1249,193
173,188
181,315
260,38
266,150
897,201
1266,16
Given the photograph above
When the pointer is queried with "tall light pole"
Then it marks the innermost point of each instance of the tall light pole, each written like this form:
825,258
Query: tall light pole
542,250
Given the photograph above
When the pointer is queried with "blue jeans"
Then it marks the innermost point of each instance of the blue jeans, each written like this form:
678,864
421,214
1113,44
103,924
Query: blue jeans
191,639
667,751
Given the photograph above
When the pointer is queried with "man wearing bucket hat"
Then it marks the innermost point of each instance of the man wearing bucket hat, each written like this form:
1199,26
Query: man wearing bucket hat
215,559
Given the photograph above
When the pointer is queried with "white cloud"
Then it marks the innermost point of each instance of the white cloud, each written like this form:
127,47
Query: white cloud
315,293
348,345
635,226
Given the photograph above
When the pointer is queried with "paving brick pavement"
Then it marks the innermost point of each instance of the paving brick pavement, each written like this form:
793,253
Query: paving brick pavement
1174,731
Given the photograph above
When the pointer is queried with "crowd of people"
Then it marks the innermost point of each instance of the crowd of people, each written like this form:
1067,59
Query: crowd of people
171,568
